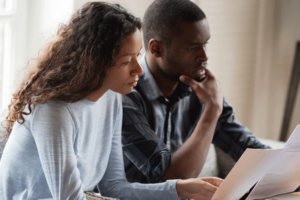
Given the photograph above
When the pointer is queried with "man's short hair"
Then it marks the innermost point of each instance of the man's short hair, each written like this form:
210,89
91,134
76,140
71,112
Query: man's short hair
163,17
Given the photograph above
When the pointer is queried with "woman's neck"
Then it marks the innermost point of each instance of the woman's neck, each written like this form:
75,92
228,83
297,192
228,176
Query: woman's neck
96,94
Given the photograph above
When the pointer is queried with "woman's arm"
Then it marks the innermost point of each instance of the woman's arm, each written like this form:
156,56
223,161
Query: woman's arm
114,183
53,130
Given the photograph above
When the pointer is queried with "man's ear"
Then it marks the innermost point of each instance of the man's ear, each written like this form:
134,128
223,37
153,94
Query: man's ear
155,47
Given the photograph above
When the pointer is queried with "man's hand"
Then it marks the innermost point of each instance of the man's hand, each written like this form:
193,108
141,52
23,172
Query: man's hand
188,160
198,188
208,91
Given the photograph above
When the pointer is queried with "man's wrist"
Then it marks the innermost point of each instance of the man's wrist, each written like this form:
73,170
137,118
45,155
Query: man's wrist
213,109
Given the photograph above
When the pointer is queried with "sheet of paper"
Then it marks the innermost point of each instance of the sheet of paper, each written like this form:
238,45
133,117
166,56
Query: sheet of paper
284,176
252,165
286,197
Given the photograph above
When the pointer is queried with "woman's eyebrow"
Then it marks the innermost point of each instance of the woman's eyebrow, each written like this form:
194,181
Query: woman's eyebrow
130,54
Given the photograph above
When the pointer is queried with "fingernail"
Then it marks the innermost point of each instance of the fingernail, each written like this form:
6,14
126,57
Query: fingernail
202,71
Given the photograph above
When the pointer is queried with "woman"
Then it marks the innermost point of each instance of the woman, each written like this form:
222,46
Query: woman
64,122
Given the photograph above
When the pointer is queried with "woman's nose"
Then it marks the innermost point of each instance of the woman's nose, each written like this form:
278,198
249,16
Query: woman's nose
138,70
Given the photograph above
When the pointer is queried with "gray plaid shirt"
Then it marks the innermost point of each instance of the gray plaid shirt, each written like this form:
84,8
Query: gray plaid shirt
155,127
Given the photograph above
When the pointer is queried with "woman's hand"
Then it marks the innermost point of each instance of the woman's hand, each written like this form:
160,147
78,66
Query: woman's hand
198,188
209,91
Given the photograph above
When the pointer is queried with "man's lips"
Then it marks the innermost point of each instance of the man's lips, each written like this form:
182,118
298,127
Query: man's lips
203,65
200,70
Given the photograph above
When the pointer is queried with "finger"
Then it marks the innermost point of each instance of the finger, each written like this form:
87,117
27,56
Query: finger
189,81
209,74
214,181
204,194
209,187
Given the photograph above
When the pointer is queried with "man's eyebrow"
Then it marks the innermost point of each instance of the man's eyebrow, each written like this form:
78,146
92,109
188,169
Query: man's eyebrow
130,54
197,43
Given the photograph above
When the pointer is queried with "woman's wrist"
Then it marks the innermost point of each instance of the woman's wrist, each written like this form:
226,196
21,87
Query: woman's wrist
180,187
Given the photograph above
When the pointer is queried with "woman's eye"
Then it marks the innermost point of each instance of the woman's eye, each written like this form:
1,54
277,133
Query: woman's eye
126,63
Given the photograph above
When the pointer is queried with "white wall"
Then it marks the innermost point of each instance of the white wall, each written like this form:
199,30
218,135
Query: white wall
286,34
279,33
44,17
251,50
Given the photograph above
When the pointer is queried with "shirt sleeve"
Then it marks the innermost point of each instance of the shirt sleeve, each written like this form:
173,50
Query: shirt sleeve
114,183
53,130
232,137
143,151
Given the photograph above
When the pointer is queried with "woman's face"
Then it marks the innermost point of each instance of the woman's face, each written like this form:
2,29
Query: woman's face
123,76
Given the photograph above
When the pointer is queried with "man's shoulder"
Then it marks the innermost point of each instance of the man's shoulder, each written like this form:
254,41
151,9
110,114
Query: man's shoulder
133,99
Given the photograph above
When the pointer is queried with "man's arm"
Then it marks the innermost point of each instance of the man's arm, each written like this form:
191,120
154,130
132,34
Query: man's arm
149,155
147,152
232,137
189,159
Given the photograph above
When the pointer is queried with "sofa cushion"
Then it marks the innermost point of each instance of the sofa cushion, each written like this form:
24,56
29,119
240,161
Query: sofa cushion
210,168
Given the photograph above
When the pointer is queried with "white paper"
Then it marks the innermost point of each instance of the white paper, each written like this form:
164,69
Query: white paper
252,165
284,176
286,197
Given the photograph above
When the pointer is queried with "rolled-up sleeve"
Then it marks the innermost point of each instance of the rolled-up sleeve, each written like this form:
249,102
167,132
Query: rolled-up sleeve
145,155
232,137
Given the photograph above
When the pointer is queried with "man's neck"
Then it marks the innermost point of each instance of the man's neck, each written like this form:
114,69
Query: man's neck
166,85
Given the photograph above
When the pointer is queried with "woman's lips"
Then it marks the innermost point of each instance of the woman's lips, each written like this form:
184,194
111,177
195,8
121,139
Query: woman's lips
133,84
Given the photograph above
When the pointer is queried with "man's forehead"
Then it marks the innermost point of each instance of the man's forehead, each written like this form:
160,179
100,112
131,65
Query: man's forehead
193,32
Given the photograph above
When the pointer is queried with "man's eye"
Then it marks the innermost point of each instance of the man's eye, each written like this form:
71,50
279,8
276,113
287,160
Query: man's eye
192,48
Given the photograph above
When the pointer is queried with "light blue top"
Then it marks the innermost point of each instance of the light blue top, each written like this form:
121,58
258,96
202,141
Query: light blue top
64,149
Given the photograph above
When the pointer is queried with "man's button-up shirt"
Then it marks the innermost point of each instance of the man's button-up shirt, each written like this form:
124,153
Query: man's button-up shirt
155,127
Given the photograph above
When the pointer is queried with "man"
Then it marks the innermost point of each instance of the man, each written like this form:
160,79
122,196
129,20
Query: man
169,120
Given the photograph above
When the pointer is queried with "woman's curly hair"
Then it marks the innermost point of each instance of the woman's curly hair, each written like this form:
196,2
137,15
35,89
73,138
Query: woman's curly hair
75,64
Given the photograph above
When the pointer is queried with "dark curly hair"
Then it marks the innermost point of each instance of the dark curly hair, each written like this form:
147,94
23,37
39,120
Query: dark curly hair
75,63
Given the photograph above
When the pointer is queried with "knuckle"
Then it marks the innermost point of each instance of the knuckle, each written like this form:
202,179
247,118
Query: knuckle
187,81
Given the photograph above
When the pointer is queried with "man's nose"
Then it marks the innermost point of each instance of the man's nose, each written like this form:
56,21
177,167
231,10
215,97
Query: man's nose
202,55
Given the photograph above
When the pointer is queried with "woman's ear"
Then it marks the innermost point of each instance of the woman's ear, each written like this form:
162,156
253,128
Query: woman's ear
155,47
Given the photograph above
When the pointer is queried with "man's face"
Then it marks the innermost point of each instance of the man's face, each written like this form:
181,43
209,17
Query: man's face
186,53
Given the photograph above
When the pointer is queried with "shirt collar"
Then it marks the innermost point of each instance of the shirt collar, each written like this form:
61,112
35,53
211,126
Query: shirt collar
148,84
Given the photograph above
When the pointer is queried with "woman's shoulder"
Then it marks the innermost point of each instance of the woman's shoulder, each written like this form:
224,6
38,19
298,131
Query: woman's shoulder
111,95
111,99
52,109
115,100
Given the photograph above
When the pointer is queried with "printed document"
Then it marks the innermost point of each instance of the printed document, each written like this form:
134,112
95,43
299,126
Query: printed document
284,176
